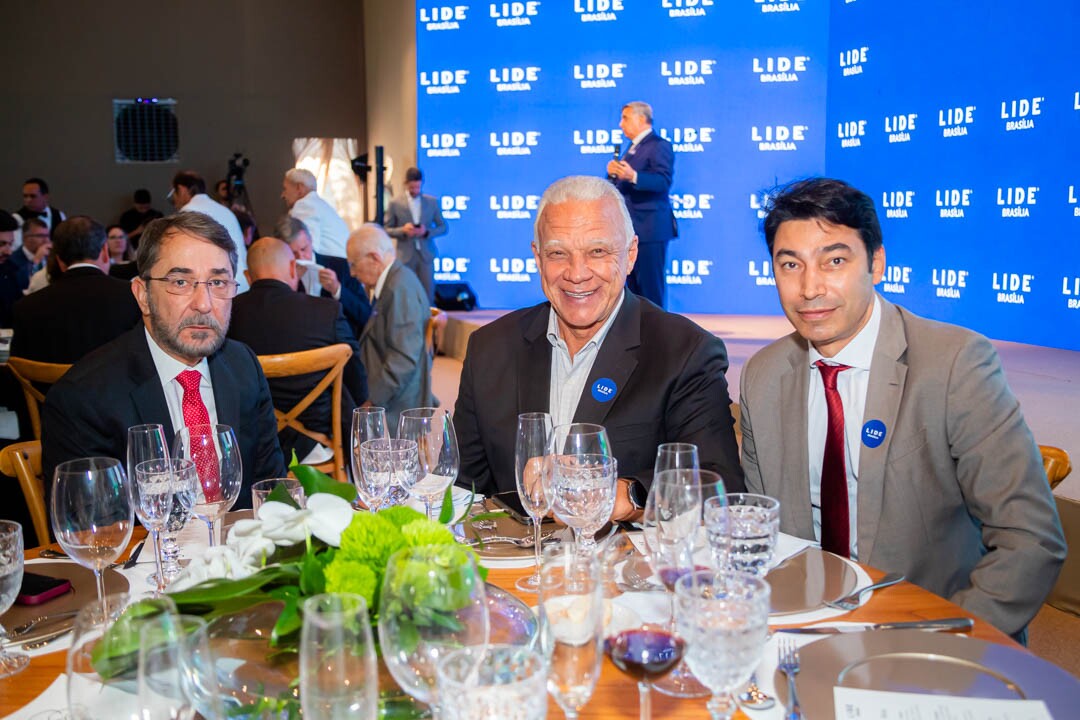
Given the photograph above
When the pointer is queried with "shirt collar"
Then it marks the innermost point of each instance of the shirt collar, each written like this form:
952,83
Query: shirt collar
554,336
169,367
640,136
82,265
858,353
382,280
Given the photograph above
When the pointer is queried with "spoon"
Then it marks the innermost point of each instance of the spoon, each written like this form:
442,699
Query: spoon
522,542
754,698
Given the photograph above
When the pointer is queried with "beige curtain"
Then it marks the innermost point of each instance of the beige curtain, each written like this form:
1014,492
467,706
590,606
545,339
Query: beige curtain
330,160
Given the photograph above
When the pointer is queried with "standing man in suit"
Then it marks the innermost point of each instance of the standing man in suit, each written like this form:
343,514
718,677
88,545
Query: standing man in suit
891,438
177,368
392,343
273,318
414,221
83,308
328,231
644,176
593,353
35,194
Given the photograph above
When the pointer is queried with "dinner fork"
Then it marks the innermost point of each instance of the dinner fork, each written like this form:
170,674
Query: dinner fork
850,602
787,654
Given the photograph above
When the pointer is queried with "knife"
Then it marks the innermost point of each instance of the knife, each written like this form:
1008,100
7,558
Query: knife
42,636
943,625
134,558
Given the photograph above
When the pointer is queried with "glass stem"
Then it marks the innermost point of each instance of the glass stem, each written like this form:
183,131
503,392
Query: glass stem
100,583
644,700
536,546
427,508
156,534
719,706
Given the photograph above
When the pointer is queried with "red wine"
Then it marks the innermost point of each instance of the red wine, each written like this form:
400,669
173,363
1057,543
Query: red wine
670,575
645,654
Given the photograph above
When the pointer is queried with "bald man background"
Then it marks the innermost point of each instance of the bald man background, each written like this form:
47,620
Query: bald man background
273,318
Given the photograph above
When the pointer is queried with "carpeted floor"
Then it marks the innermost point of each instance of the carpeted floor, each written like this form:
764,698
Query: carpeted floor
1055,636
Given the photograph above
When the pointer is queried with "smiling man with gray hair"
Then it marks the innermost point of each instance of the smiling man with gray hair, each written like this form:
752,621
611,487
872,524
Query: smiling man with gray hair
328,231
593,353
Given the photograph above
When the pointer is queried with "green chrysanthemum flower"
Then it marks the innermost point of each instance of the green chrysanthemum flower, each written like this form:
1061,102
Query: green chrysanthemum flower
352,577
425,532
370,539
401,515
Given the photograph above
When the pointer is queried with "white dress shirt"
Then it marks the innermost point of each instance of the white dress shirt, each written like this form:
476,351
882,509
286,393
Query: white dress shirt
168,368
208,206
329,233
852,385
569,375
377,290
633,148
414,208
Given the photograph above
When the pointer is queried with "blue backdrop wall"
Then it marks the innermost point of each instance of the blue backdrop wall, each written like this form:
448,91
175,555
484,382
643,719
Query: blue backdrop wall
960,120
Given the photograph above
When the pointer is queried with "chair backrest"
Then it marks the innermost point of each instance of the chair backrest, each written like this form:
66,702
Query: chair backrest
437,318
23,461
1066,593
331,359
28,372
1057,464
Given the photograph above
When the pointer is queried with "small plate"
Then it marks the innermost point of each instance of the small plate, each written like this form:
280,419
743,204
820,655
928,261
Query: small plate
807,580
929,663
83,591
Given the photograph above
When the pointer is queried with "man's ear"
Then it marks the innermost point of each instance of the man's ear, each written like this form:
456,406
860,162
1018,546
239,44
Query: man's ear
139,290
247,276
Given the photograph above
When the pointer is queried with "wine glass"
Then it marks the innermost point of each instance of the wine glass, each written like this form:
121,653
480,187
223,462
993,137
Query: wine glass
184,481
386,464
368,423
724,618
532,464
152,486
91,512
216,454
432,602
582,439
583,493
171,649
676,456
646,653
338,674
260,492
499,681
11,573
147,442
571,625
436,443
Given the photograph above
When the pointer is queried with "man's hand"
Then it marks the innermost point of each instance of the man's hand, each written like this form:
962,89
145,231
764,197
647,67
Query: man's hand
42,252
624,509
329,280
621,169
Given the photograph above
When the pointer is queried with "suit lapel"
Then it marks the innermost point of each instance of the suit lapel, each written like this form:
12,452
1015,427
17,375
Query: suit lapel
888,372
615,361
380,302
226,396
795,463
534,363
147,395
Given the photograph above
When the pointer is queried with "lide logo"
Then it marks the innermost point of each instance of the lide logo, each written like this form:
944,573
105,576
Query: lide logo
896,279
443,82
444,144
948,282
852,61
771,6
1012,287
688,140
780,68
688,272
762,272
1016,202
593,76
598,10
897,203
955,121
851,133
513,14
600,141
514,270
453,206
514,207
1020,114
1070,288
900,127
514,142
450,269
686,8
691,206
778,138
758,203
514,79
1073,202
952,202
443,17
686,72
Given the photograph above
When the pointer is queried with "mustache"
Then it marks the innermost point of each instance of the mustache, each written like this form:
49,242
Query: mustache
206,320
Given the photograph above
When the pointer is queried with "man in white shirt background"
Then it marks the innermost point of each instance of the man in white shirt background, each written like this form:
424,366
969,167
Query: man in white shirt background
328,231
189,195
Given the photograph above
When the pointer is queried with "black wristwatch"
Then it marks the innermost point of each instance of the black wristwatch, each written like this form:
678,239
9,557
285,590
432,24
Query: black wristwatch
636,494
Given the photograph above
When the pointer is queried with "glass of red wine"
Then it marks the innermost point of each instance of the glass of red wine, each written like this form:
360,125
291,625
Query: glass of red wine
646,654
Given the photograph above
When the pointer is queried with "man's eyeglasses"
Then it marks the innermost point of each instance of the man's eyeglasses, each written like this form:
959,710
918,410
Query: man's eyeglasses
220,288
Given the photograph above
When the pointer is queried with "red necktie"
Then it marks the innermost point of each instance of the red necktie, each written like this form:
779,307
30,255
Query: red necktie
835,528
202,448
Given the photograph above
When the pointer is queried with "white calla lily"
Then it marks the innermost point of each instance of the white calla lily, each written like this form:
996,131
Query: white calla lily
330,516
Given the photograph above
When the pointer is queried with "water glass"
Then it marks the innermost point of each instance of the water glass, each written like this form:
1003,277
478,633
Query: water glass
338,674
753,524
437,447
146,442
385,466
260,492
571,625
368,423
532,470
173,650
500,682
152,487
724,619
583,493
216,454
91,512
582,439
11,573
185,483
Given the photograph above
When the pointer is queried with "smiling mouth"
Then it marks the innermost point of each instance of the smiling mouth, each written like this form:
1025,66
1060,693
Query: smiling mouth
815,314
578,295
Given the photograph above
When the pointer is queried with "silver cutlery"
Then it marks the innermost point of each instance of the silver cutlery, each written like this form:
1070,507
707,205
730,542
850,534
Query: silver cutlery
134,557
754,698
46,639
850,602
50,554
788,663
522,542
944,625
645,587
28,626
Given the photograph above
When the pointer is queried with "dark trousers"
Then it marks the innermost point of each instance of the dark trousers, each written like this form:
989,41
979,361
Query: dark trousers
647,277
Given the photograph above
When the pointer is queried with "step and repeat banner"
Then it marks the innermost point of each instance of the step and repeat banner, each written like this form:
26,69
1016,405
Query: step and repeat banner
752,93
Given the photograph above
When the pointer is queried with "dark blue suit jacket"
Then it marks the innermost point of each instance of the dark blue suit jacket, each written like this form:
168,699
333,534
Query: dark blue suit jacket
648,200
354,299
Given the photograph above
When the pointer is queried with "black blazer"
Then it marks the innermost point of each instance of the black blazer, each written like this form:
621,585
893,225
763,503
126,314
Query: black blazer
78,312
648,201
354,298
270,318
88,412
669,375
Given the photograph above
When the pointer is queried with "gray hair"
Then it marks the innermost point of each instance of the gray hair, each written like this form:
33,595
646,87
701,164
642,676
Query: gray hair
289,228
638,107
372,236
187,223
586,188
303,177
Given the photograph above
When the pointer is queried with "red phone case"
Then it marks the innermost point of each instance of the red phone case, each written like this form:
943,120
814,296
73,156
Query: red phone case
44,595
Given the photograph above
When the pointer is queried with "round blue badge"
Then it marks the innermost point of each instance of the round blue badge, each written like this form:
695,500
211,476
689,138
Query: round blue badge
604,389
873,433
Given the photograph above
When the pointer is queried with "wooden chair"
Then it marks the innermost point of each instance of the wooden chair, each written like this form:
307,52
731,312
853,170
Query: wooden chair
330,359
28,372
1057,464
437,321
23,461
1066,593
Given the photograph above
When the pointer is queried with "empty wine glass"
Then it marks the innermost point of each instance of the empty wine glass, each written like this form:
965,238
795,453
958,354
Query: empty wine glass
437,446
216,454
723,617
532,465
338,674
583,493
169,657
185,482
11,573
571,625
386,464
676,456
498,681
147,442
582,439
368,423
91,512
432,602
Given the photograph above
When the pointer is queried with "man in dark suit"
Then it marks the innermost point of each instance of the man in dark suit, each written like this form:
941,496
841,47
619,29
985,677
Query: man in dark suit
333,274
177,369
593,353
83,308
414,221
36,246
273,318
35,195
11,280
644,176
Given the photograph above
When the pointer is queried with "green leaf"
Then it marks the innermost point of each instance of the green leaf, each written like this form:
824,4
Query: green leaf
288,622
117,652
491,515
213,591
446,514
319,482
281,494
312,577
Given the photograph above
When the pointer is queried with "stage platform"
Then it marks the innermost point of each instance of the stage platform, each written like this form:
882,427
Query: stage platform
1046,380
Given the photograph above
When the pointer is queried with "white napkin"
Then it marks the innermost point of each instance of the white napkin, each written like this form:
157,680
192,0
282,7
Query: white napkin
309,275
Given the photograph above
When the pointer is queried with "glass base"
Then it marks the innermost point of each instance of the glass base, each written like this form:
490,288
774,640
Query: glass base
529,584
681,683
10,664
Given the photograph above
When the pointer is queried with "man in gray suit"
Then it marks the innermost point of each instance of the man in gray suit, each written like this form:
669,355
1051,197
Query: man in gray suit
392,342
414,220
892,438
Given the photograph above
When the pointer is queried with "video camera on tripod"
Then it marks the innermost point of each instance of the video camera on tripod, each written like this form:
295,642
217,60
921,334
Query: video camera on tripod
238,164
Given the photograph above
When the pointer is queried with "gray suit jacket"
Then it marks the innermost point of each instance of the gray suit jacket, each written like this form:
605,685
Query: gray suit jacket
392,346
955,497
416,254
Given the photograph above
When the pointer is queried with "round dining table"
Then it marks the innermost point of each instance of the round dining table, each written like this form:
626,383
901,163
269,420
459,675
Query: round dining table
616,694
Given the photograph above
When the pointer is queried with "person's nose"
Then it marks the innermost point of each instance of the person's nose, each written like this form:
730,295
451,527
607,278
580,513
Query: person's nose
813,282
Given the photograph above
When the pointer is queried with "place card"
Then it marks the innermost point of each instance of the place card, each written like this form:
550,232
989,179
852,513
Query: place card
862,704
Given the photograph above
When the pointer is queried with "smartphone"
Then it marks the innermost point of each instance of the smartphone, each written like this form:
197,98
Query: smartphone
37,589
511,503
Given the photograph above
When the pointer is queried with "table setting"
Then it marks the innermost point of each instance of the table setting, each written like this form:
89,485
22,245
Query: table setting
402,595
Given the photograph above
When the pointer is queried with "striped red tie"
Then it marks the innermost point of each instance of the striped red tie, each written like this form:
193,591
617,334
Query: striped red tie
203,451
835,526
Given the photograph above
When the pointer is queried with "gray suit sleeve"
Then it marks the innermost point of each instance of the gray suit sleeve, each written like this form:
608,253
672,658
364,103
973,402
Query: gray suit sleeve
437,226
395,220
405,313
749,450
1001,475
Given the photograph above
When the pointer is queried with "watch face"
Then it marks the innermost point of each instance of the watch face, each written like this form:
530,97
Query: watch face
638,494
